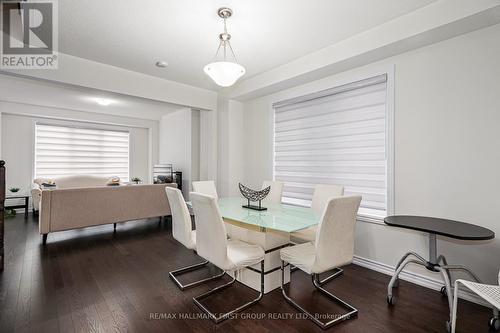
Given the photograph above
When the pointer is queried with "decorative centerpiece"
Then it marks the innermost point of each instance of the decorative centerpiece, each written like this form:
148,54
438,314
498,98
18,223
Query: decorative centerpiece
114,181
252,195
14,189
136,180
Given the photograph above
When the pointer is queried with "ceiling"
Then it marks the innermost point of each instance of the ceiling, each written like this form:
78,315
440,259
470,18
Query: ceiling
134,34
45,93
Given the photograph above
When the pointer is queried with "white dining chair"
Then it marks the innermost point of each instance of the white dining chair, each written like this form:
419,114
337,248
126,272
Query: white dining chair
322,194
490,293
183,233
206,187
229,255
275,193
333,248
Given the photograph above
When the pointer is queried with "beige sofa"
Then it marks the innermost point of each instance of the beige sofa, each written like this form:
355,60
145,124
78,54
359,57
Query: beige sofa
71,208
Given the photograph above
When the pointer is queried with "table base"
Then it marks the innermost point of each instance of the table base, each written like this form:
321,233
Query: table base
436,263
272,243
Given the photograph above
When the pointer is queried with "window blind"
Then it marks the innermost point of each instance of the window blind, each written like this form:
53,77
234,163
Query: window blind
336,136
64,150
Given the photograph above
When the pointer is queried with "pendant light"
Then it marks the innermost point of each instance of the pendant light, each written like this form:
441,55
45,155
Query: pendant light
224,73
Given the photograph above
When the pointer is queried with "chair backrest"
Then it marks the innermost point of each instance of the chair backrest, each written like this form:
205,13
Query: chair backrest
181,219
205,187
275,192
323,194
335,234
211,239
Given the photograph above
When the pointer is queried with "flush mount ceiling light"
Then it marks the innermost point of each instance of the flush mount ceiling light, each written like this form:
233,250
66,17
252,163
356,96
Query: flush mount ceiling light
161,64
225,73
103,101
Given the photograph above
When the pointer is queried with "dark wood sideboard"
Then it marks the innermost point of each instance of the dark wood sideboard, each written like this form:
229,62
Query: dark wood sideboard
2,208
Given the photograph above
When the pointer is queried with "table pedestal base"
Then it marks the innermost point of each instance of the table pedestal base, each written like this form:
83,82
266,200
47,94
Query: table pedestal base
272,243
436,264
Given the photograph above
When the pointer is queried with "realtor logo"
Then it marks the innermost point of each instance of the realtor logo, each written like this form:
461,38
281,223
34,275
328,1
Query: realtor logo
29,34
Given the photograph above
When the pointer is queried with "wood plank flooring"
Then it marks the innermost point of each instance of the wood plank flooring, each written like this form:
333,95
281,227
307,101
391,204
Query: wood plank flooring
94,280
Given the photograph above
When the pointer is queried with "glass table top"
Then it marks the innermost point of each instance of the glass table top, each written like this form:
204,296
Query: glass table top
280,217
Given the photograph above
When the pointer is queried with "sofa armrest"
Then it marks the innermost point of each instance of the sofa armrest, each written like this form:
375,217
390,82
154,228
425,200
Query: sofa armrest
44,212
36,196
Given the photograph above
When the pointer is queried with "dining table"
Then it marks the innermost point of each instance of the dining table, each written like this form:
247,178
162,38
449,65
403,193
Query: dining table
270,229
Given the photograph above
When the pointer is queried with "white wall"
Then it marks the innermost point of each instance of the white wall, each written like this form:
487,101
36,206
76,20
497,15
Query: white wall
208,145
236,144
195,144
427,25
17,139
187,140
447,136
175,144
230,147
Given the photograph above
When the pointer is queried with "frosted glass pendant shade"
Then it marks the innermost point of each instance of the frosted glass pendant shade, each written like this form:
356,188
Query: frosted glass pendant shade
224,73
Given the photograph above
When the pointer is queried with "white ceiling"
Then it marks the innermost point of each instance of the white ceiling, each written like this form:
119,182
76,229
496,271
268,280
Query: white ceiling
134,34
45,93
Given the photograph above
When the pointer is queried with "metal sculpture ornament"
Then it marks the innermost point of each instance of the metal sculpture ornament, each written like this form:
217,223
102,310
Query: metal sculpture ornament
252,195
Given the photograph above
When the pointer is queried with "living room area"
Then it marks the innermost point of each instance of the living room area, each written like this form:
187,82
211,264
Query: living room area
249,166
56,136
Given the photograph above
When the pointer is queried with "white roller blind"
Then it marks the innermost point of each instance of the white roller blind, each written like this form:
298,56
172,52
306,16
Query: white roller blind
64,150
337,136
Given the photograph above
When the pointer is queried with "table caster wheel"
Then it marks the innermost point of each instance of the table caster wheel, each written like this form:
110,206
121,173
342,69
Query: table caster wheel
448,326
443,291
391,300
494,324
396,283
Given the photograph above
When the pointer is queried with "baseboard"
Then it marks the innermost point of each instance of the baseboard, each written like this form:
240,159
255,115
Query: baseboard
415,278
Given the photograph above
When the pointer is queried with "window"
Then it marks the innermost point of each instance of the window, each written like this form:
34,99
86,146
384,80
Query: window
337,136
65,150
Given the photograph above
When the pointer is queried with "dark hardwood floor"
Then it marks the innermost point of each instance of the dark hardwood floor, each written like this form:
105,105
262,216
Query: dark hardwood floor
94,280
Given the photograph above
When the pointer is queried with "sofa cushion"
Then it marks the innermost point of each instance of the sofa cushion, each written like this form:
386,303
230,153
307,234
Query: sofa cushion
81,181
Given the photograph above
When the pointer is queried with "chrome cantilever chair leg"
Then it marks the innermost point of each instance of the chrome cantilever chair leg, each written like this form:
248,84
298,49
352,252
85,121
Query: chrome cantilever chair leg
222,317
174,274
352,311
337,272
